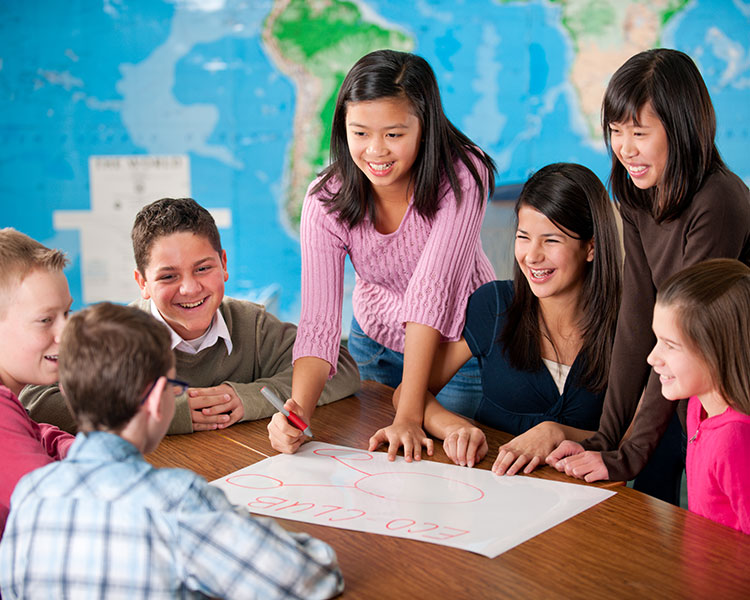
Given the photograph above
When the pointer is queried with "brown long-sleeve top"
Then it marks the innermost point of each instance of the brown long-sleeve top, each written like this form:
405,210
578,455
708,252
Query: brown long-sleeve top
716,224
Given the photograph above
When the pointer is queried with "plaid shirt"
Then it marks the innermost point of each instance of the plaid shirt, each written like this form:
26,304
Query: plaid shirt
104,523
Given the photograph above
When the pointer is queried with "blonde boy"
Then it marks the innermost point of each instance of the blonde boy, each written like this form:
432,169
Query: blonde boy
105,523
34,305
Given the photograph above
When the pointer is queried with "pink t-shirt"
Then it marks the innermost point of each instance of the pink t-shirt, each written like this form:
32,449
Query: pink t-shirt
718,465
24,446
424,272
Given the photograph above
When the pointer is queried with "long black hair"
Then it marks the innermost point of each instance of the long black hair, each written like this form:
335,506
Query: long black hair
391,74
671,82
573,198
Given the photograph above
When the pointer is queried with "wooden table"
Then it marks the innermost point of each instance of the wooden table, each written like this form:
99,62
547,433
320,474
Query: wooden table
629,546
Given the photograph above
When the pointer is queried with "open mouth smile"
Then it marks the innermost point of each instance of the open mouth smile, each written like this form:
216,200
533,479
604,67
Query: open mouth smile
190,305
540,274
380,169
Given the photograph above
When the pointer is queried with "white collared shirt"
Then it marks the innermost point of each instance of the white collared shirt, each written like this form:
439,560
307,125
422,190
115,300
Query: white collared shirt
218,329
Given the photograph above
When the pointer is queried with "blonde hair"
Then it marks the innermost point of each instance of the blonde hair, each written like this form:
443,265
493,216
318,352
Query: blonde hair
712,303
19,256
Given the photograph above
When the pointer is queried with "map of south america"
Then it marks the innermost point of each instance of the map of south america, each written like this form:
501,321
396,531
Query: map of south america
316,45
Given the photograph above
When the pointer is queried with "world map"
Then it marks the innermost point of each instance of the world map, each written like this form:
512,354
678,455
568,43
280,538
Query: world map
107,106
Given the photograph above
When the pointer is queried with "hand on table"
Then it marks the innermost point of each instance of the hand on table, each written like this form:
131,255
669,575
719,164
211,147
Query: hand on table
284,436
465,445
409,435
214,407
570,458
528,450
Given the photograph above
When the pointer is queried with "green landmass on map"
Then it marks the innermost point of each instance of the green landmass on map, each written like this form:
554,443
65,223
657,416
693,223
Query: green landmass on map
316,43
597,18
604,34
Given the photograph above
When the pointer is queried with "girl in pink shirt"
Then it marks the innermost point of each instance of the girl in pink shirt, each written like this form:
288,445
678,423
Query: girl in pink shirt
702,328
403,197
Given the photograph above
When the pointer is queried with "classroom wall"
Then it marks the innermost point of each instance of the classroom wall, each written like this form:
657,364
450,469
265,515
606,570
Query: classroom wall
105,106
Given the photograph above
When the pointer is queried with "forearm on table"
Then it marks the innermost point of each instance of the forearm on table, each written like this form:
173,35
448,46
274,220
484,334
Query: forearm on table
438,420
573,433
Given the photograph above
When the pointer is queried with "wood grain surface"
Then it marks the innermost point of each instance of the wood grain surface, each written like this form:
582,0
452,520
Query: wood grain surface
629,546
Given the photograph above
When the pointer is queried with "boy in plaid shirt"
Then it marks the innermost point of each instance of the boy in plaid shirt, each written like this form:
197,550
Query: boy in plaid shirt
105,523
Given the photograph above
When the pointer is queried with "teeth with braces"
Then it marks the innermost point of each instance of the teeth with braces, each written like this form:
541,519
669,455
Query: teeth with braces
540,272
380,166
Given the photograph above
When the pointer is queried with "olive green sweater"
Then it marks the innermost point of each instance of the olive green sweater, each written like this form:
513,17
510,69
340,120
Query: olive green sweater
261,356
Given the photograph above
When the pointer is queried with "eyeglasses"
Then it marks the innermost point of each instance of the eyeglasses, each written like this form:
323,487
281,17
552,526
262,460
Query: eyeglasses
180,387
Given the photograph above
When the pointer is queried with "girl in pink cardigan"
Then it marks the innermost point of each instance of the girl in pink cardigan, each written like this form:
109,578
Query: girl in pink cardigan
702,327
404,198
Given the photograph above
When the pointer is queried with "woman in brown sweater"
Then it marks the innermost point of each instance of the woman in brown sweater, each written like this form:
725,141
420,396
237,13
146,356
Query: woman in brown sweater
680,205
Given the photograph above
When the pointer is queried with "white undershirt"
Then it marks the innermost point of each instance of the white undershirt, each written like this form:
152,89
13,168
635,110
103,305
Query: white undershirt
217,330
559,373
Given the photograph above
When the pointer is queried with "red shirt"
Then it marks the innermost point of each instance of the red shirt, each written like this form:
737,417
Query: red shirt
24,446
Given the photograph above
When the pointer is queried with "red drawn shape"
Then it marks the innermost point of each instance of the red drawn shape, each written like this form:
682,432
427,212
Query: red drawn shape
423,488
254,481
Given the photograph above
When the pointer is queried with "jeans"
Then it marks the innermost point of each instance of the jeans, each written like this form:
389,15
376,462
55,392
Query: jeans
462,394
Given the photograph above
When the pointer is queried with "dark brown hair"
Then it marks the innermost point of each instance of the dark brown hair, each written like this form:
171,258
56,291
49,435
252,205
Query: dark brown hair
391,74
712,301
672,84
109,355
167,216
574,199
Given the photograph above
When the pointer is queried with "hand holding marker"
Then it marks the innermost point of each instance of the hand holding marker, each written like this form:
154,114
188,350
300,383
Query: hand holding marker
279,405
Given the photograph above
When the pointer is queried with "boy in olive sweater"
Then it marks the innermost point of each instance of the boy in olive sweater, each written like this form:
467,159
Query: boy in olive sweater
226,349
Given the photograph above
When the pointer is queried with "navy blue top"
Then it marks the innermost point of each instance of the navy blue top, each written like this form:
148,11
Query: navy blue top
512,400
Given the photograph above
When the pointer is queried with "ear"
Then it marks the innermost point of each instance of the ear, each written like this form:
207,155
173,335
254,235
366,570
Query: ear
141,281
152,404
590,251
224,264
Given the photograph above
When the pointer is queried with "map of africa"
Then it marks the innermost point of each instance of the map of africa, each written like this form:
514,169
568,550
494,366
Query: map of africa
107,106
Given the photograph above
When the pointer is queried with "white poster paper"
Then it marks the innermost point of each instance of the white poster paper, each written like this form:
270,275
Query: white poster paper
471,509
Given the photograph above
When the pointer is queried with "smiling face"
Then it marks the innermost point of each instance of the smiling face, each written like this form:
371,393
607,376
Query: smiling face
681,371
552,261
30,329
185,279
383,138
642,149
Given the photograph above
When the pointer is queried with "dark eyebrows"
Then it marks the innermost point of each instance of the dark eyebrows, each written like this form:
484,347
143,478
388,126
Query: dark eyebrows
361,126
544,235
197,263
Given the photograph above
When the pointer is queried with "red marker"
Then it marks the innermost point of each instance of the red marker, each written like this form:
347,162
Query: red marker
279,405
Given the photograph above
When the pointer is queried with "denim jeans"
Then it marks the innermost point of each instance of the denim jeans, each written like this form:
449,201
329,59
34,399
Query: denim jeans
462,394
